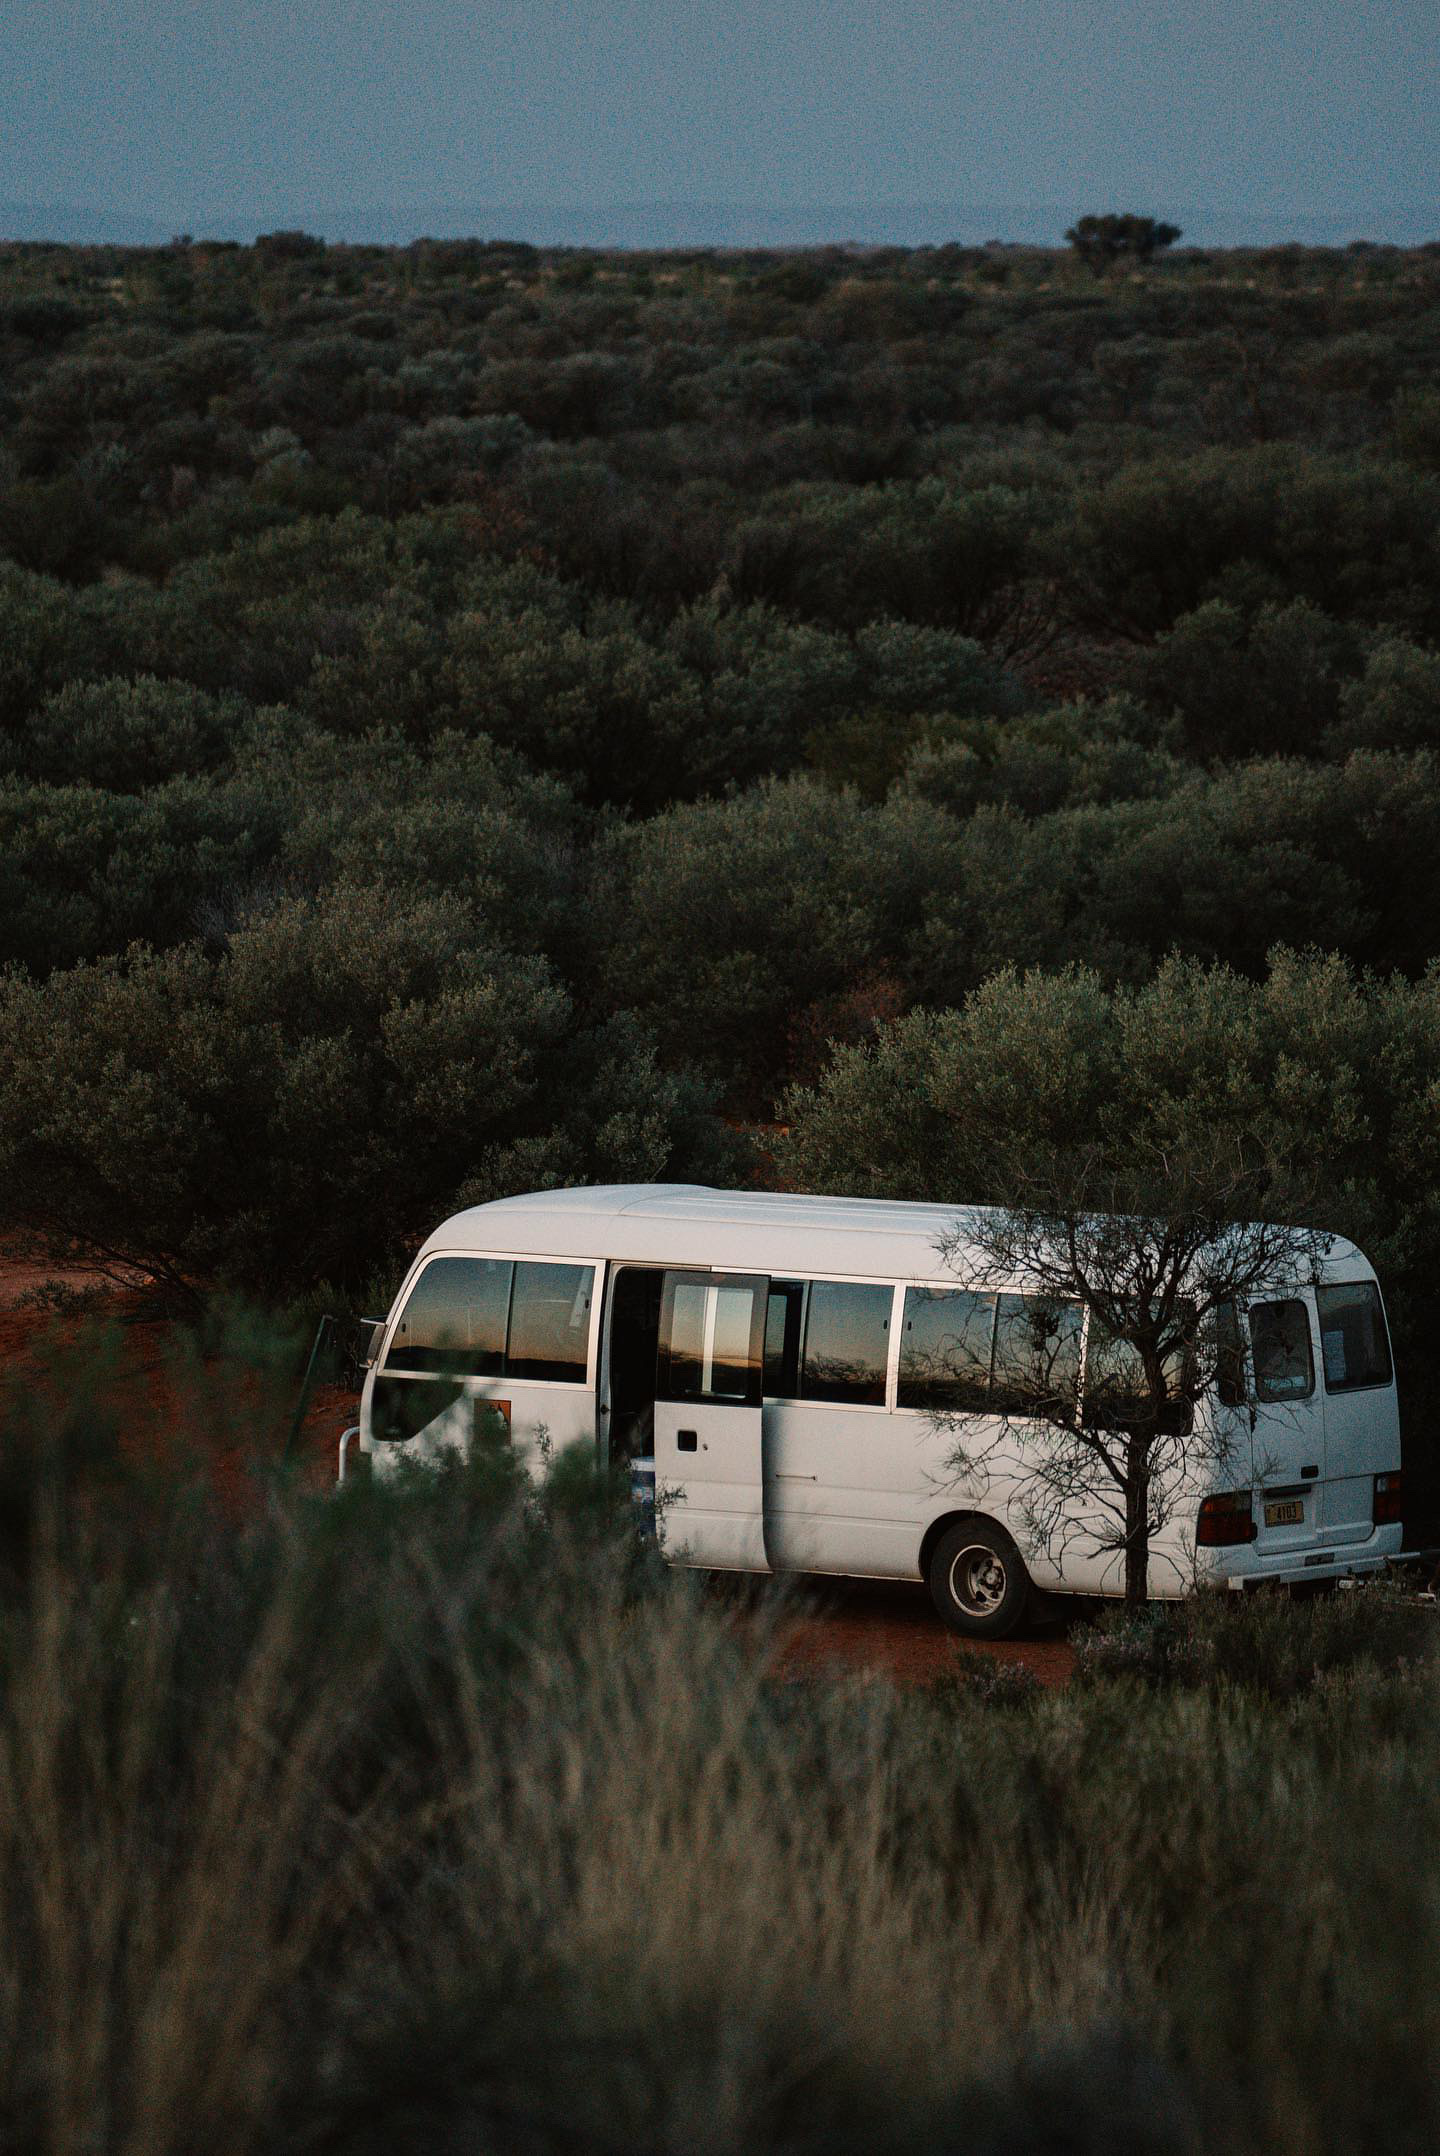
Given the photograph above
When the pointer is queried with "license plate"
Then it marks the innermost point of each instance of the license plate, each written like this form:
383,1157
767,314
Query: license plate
1289,1512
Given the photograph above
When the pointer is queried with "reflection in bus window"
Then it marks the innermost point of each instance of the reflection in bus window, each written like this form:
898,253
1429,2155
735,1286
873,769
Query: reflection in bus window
1280,1348
550,1322
455,1319
491,1317
1117,1393
1037,1357
1354,1346
782,1339
945,1350
847,1331
706,1334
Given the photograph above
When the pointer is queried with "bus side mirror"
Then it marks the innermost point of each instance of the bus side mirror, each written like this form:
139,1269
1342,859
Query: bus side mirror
368,1335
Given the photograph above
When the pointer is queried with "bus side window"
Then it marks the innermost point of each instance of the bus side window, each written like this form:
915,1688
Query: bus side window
494,1317
1117,1394
1354,1346
550,1322
945,1351
1280,1348
847,1325
1037,1357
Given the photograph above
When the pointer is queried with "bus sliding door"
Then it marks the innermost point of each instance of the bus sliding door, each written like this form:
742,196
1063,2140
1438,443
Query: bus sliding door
709,1485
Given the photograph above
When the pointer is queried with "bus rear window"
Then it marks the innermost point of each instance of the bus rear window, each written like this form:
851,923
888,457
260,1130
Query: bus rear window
1280,1350
1354,1346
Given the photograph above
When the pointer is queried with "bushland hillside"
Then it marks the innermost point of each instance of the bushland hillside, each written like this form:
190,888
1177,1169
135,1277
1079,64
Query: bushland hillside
472,717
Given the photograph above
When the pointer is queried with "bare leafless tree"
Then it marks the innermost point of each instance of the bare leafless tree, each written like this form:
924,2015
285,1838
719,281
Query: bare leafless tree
1103,1455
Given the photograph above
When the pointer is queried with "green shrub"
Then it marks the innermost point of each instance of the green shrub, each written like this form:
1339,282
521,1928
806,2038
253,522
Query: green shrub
743,929
321,1090
124,735
1354,537
84,871
926,552
1330,856
1270,685
1075,755
1395,704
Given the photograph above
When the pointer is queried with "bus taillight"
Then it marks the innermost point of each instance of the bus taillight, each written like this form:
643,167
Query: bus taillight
1225,1518
1386,1508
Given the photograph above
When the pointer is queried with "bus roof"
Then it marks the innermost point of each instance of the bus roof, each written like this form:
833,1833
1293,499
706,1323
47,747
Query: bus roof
776,1232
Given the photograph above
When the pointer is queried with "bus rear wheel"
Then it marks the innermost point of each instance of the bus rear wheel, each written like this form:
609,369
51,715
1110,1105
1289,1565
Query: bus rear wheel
978,1580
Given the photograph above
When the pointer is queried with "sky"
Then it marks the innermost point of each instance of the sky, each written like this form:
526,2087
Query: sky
199,112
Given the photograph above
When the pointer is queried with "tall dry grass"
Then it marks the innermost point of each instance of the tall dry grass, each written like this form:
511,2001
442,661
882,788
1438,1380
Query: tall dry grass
441,1818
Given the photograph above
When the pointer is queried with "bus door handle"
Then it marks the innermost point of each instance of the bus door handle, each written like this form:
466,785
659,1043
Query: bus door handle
686,1441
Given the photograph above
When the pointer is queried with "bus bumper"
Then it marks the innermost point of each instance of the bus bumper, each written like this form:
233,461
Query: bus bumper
1290,1568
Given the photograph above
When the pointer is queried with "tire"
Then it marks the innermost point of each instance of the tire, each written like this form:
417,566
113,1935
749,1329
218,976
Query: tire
978,1580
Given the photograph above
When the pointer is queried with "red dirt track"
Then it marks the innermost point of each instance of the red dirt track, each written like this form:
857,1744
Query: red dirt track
839,1628
889,1628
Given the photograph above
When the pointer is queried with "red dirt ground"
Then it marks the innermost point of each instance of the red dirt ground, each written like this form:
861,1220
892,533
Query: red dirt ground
889,1628
144,1392
842,1627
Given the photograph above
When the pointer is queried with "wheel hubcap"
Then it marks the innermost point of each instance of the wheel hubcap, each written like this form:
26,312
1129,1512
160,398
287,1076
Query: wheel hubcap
978,1581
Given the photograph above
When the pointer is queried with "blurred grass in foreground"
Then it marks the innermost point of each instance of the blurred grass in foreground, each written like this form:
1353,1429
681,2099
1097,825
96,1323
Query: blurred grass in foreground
441,1817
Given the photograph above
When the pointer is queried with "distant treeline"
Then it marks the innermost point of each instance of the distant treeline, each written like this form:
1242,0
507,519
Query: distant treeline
472,717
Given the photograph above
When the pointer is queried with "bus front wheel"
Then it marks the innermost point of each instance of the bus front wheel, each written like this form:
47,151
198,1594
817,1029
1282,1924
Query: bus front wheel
978,1580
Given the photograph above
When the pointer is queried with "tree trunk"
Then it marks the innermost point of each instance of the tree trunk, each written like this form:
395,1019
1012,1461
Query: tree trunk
1137,1520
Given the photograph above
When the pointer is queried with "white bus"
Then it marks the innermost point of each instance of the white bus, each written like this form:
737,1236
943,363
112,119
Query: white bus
774,1358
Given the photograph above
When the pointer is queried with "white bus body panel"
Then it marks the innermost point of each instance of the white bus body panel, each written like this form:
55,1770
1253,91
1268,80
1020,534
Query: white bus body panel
854,1490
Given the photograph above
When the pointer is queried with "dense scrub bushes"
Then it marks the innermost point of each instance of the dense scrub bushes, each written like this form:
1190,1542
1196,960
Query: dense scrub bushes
537,1853
337,1075
467,718
649,672
1275,1645
743,925
802,892
1342,856
1354,537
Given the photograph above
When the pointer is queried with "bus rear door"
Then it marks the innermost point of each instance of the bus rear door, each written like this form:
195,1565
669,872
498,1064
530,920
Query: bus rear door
1289,1430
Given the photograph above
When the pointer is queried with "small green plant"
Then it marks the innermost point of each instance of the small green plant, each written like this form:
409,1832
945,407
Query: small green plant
988,1683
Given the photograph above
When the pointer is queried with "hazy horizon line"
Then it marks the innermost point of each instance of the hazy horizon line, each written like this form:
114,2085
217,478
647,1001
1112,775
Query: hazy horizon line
642,223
